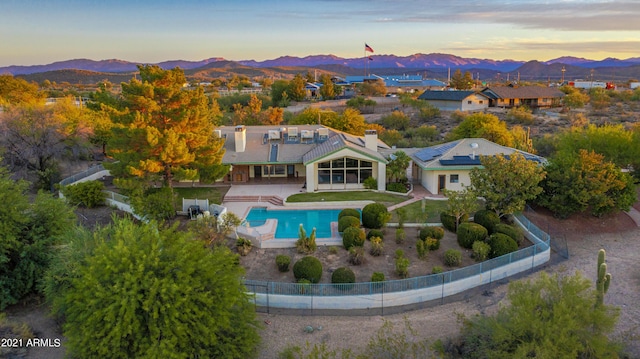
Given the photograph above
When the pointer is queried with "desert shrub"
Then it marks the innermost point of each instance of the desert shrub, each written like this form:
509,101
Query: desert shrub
520,115
349,212
400,236
308,268
396,187
343,275
469,232
333,250
437,270
348,221
509,230
356,255
432,244
370,183
304,244
375,233
452,258
480,251
376,246
402,266
431,232
154,204
353,236
283,261
501,244
377,277
375,215
399,253
486,218
422,249
244,246
449,221
88,194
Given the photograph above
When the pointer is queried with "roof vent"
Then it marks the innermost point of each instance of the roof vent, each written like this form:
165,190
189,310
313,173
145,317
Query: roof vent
274,134
474,145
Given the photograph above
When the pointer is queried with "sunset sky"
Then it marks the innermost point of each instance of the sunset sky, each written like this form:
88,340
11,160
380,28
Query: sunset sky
44,31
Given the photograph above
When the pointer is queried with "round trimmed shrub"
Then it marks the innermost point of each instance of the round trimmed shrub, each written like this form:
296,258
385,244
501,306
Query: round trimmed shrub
377,277
343,275
437,270
353,236
432,244
349,212
375,215
449,221
375,233
283,261
470,232
308,268
431,232
486,218
452,258
348,221
511,231
501,244
481,251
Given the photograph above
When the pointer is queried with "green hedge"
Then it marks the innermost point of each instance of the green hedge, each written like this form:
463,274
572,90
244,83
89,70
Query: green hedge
375,215
486,218
88,194
501,244
353,236
308,268
511,231
348,221
343,275
349,212
375,233
431,232
449,221
470,232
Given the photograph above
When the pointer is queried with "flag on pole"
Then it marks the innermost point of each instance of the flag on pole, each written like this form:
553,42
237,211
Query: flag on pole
370,58
367,48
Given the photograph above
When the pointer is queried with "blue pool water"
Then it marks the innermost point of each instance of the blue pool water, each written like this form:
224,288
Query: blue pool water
289,220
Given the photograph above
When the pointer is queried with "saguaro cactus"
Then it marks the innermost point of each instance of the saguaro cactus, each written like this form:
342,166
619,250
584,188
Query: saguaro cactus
604,278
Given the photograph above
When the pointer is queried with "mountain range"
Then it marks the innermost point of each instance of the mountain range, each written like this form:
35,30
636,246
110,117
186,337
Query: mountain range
433,65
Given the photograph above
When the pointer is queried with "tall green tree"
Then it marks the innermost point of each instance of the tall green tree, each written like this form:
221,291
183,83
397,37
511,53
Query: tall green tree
586,181
460,81
163,131
506,184
296,89
328,89
549,317
144,292
28,231
279,95
485,126
461,204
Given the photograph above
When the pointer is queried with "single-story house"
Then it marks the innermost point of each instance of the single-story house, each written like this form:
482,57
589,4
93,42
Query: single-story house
531,96
326,158
447,166
398,83
456,100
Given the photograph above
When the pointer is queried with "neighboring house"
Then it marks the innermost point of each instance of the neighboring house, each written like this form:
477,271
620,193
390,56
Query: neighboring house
325,158
399,83
447,166
456,100
530,96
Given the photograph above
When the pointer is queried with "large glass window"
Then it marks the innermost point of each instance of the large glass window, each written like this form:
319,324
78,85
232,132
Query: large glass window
344,170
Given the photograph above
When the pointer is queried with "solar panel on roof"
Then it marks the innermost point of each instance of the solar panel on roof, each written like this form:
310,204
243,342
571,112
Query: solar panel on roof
430,153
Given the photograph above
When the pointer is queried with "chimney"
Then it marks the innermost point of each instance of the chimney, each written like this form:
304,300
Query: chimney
371,140
241,138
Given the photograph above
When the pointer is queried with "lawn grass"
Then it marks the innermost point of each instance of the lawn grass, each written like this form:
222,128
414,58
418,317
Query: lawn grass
415,214
213,194
384,198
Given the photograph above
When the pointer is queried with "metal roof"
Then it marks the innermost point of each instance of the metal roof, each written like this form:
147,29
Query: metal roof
447,95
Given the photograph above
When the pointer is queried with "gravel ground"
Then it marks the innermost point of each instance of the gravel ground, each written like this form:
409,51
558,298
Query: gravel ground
441,321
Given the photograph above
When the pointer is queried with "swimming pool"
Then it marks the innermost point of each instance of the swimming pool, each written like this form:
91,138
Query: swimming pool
289,220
